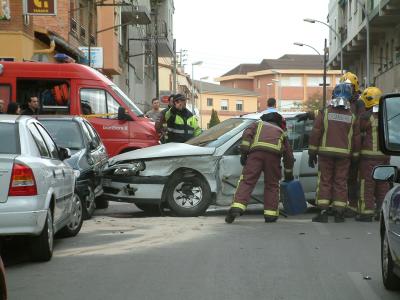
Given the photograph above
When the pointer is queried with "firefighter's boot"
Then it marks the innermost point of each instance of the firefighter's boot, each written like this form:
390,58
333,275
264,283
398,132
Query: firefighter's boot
339,217
270,219
364,218
322,217
233,213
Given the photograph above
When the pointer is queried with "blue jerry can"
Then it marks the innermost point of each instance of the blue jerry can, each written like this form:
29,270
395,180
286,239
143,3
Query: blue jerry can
294,201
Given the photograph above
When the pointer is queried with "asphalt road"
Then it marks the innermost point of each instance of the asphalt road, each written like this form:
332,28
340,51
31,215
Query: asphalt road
123,254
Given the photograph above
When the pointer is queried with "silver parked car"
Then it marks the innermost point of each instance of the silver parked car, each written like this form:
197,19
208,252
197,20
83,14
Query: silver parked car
191,176
37,189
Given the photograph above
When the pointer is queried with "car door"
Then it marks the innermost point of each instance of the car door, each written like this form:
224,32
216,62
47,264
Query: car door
298,134
63,173
394,222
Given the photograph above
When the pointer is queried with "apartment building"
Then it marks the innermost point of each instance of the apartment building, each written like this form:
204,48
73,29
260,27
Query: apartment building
226,101
349,19
291,79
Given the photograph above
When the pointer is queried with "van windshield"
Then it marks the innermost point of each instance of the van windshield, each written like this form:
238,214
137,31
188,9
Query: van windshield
127,101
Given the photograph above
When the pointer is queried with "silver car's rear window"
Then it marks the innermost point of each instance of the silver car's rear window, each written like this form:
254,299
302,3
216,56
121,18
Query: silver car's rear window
10,137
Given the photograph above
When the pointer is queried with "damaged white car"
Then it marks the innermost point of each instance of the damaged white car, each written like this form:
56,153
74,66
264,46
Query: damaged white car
189,177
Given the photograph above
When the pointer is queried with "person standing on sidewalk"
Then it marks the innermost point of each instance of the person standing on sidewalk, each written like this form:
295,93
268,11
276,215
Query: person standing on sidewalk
372,193
334,142
263,145
155,112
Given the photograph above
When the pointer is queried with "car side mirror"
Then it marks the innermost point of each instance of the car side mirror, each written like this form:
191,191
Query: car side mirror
389,124
385,173
122,115
92,145
64,153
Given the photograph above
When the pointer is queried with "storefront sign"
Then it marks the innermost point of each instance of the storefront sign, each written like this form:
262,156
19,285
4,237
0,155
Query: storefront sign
96,56
41,7
5,13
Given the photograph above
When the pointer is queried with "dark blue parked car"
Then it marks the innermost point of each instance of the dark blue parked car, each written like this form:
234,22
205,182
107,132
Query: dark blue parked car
88,156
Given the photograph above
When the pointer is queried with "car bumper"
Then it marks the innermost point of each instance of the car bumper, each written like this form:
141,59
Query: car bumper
147,190
22,216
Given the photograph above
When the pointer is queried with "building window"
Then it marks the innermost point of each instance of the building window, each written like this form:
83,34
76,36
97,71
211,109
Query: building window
316,81
224,104
239,105
294,81
288,105
209,101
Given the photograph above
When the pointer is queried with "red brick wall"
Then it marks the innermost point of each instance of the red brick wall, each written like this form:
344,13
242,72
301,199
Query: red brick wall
245,84
17,21
58,24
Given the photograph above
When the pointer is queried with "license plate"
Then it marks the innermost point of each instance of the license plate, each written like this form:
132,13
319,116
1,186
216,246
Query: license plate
106,182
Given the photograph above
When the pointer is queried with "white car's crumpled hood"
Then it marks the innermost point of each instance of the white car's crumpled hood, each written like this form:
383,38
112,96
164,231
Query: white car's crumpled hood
163,151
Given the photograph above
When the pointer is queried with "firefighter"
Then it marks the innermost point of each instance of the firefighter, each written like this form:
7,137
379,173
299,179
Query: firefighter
371,193
263,145
182,124
335,139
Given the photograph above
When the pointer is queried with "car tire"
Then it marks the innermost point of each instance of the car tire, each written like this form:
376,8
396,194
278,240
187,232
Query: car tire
101,203
149,208
188,197
89,204
390,280
42,245
75,224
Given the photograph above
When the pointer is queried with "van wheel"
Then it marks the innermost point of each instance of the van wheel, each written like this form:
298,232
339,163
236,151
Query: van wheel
76,219
89,204
42,245
188,197
390,279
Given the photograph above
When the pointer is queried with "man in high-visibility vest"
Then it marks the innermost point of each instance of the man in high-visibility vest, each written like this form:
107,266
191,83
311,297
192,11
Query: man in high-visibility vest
335,139
263,145
182,125
371,193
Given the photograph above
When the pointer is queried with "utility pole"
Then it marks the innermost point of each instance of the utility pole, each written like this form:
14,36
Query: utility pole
156,49
324,79
174,70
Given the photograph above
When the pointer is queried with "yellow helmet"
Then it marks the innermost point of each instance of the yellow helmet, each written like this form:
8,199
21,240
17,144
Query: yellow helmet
371,96
351,78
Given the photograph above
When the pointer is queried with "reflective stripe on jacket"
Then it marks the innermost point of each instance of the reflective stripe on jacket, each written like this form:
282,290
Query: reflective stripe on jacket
336,132
264,136
182,125
370,136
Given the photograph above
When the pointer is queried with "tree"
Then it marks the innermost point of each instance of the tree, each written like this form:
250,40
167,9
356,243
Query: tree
313,102
214,120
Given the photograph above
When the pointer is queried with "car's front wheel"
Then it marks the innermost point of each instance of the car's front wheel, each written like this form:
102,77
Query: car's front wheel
188,197
42,245
390,279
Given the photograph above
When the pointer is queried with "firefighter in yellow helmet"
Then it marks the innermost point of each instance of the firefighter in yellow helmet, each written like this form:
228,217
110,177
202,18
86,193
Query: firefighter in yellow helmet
371,193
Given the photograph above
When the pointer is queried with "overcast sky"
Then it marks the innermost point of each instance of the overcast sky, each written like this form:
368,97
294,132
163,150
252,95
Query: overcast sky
225,33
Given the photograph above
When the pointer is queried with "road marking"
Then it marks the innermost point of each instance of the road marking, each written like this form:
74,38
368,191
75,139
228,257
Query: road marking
362,286
321,228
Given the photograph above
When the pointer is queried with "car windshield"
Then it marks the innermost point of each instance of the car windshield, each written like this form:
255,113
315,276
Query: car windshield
9,133
221,133
65,133
132,106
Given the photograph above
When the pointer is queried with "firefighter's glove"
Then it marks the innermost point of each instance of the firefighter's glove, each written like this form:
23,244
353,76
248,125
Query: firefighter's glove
312,160
243,159
288,176
302,117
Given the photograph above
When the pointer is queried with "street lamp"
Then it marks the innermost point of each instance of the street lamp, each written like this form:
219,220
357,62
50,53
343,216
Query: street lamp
197,63
324,64
313,21
200,93
364,9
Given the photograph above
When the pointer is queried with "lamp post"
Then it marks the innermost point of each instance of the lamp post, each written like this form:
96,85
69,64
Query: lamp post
337,35
197,63
324,65
200,92
279,91
364,9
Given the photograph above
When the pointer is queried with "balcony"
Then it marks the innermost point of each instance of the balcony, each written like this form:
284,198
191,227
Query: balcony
139,15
